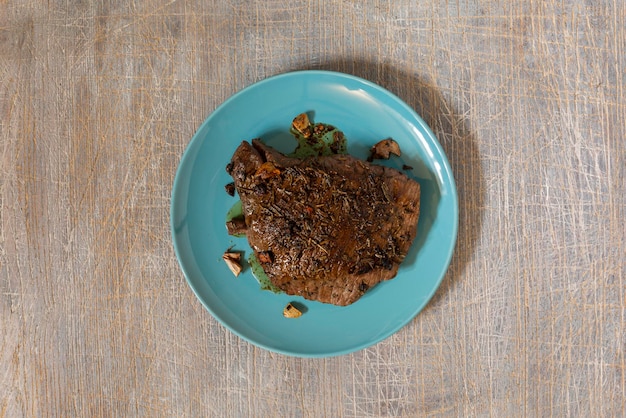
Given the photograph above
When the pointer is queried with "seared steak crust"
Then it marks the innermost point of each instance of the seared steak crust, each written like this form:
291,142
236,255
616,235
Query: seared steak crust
325,228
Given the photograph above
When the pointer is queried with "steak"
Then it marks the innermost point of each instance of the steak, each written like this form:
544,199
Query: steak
325,228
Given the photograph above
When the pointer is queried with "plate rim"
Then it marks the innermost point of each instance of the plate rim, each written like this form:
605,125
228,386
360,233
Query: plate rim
433,141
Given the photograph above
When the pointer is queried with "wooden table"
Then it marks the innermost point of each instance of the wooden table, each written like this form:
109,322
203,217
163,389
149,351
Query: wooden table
98,101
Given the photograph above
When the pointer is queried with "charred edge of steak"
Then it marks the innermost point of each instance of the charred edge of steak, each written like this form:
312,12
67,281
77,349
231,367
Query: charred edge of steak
230,189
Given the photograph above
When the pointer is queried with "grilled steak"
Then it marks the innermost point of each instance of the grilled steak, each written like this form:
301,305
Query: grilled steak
326,228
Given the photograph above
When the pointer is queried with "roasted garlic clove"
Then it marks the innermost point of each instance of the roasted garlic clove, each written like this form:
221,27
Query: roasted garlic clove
291,311
233,261
383,149
302,124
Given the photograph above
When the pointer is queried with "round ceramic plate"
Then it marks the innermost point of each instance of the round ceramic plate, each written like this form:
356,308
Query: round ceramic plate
366,113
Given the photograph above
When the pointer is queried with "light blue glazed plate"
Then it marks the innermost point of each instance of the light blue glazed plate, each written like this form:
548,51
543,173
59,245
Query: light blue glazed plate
366,113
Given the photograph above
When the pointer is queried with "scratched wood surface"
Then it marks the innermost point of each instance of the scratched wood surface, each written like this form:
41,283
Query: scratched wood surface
98,101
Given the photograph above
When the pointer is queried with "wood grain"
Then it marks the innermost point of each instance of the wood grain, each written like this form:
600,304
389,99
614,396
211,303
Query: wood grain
98,101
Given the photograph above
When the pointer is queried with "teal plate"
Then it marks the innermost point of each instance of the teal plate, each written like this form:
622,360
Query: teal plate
366,113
